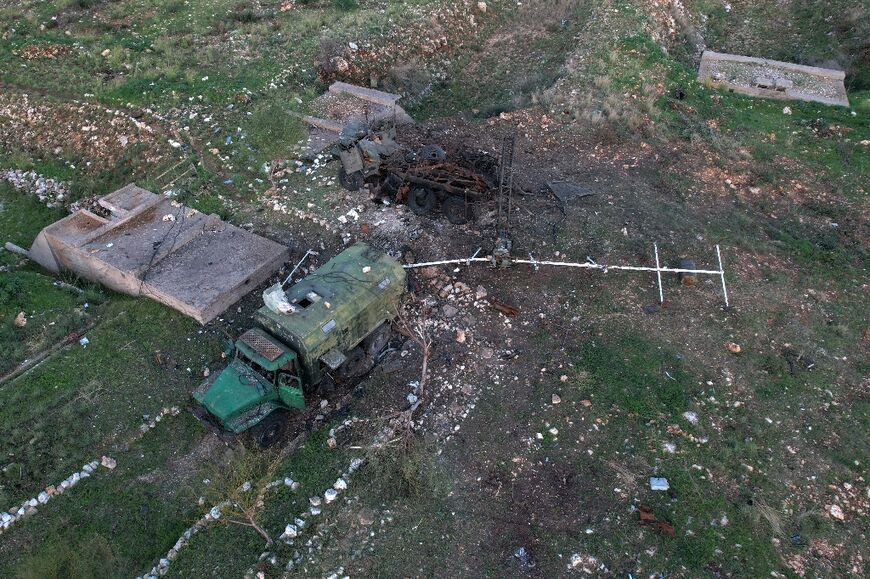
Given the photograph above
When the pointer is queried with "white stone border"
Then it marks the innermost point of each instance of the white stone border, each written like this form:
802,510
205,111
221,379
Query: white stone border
163,564
29,506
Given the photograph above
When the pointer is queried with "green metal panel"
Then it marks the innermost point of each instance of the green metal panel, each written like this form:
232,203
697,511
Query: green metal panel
356,291
292,397
236,389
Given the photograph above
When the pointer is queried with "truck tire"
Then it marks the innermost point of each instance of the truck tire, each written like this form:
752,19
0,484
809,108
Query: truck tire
350,182
356,365
456,210
376,341
421,200
271,429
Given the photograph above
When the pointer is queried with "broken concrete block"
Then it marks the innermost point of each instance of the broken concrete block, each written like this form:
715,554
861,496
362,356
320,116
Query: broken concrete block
192,262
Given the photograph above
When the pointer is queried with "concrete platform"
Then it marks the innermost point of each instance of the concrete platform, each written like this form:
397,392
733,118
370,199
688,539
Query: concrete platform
150,245
760,77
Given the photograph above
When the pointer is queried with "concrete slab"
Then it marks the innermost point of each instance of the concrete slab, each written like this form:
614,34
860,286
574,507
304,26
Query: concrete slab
761,77
151,245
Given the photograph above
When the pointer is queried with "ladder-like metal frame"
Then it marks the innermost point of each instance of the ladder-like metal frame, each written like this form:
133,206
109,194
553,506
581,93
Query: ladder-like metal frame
505,186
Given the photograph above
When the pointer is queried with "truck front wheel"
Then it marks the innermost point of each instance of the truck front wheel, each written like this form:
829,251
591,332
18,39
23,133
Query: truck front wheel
270,430
352,181
422,201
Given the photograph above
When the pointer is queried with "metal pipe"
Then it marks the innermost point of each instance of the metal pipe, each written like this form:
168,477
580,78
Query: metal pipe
447,262
659,273
722,275
12,248
617,267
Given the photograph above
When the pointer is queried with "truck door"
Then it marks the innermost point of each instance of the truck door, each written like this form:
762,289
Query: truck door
290,386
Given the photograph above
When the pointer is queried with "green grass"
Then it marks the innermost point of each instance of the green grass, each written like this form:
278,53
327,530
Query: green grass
629,371
51,312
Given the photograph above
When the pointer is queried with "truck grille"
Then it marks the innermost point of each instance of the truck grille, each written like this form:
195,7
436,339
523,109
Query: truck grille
261,344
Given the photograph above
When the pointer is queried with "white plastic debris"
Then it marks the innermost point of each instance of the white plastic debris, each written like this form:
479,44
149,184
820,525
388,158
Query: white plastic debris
84,341
330,495
340,484
658,483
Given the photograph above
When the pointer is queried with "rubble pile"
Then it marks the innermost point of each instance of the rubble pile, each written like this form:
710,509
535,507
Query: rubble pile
29,507
50,191
40,51
76,129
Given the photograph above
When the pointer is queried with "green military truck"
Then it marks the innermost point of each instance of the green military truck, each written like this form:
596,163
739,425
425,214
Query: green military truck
325,330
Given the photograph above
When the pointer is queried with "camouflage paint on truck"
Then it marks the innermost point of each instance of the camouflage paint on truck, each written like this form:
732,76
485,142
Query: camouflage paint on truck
339,304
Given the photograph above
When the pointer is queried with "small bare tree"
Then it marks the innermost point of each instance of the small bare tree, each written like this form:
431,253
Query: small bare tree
240,494
418,331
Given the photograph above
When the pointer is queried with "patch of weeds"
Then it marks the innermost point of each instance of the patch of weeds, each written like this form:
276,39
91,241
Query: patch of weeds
819,250
345,5
628,371
271,130
86,558
403,474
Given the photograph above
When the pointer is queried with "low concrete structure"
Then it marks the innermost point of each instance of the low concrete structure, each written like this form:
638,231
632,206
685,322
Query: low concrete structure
147,244
760,77
344,103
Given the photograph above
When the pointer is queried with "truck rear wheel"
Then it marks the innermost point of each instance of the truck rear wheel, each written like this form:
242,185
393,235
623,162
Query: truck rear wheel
456,210
376,341
271,429
356,365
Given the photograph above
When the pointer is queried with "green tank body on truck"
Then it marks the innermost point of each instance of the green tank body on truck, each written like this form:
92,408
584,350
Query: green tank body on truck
326,329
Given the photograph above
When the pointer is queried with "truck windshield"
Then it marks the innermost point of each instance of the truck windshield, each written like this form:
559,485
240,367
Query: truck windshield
265,374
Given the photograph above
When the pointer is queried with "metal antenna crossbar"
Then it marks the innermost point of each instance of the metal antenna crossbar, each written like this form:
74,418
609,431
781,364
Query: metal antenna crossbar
591,264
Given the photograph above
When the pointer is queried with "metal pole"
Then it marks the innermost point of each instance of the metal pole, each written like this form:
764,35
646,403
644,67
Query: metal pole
465,260
659,273
722,276
468,261
304,257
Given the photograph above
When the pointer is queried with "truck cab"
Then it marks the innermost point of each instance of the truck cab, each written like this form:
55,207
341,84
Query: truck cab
262,377
327,328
